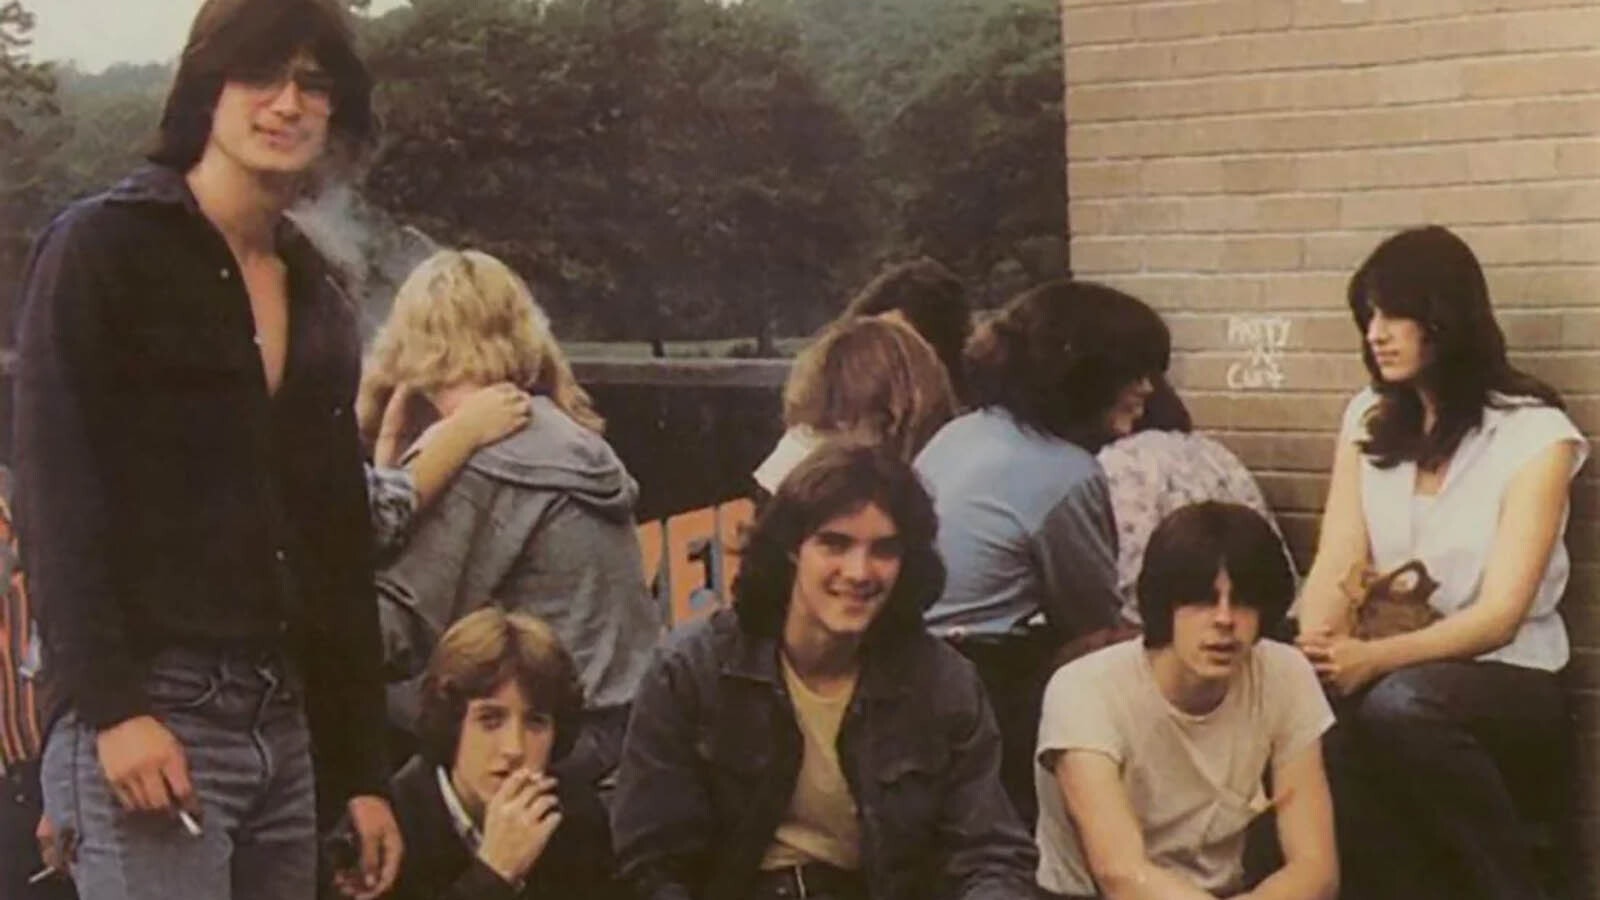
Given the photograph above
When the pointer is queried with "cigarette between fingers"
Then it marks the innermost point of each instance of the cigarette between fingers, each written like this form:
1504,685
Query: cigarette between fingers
189,823
42,874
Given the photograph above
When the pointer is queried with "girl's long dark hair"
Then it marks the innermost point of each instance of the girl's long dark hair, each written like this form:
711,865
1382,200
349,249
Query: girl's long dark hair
1431,276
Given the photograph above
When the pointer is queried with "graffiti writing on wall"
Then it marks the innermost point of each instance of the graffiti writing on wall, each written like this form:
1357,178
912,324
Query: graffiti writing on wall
1263,339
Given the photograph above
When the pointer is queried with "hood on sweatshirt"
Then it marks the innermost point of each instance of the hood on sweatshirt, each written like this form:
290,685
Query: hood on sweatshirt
554,453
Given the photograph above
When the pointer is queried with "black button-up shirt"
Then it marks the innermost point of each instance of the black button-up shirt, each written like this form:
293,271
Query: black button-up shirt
164,496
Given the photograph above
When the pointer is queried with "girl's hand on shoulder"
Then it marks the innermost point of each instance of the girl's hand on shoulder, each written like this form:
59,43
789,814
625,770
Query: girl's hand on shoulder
491,413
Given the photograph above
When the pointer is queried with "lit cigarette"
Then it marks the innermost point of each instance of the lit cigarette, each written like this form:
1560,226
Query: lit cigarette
189,824
41,875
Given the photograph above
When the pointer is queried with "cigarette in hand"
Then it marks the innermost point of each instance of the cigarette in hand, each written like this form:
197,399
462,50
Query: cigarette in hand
42,874
189,823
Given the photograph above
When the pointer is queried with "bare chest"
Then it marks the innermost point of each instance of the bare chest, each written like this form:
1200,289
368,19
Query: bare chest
266,281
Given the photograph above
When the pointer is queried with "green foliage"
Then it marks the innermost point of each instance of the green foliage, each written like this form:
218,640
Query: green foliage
959,102
93,132
29,131
678,194
674,169
982,146
26,87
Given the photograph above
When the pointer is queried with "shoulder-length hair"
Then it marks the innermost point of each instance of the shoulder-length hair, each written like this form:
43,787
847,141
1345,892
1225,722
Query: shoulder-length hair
1195,542
478,655
932,299
872,378
1057,355
837,479
232,38
1431,276
463,316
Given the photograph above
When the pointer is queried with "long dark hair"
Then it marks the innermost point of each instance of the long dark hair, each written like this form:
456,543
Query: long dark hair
1431,276
1056,356
230,38
837,479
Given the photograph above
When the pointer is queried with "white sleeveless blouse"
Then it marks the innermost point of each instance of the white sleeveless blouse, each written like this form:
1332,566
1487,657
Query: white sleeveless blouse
1452,534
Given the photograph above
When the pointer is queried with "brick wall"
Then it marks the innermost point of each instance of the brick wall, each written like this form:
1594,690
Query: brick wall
1232,161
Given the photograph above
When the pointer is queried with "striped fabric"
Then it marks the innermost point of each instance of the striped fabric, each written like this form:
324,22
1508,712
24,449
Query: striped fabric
19,651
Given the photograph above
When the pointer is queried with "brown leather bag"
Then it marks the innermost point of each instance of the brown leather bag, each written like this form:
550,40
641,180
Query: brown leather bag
1392,603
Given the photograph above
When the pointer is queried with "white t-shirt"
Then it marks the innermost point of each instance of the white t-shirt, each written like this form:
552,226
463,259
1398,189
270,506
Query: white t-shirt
1452,535
1195,782
791,450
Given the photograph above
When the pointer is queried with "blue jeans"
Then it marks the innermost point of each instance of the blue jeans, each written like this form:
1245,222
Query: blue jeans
1433,770
240,720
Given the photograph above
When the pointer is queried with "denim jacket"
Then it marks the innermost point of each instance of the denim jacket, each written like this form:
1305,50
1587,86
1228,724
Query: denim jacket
713,752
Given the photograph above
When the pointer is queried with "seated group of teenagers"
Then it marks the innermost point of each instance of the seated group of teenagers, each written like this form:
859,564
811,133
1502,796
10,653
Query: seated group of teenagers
1004,625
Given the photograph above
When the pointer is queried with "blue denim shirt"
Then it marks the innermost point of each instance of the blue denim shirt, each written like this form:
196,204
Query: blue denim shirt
713,752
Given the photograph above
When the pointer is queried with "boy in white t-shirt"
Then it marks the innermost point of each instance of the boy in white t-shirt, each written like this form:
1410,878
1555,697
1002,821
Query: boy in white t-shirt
1152,752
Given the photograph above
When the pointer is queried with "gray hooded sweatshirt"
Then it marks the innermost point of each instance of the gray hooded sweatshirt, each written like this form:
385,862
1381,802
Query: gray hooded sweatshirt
541,522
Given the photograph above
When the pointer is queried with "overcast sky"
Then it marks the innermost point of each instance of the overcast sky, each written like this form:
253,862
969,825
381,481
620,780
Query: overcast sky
97,33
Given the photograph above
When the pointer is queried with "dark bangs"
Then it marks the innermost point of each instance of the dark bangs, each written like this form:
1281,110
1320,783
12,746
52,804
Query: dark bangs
1192,545
838,479
1430,275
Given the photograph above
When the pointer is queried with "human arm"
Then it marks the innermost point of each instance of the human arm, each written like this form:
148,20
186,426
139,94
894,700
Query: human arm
380,847
988,854
65,392
661,814
1075,548
396,493
1108,829
1342,544
1305,831
485,416
1532,515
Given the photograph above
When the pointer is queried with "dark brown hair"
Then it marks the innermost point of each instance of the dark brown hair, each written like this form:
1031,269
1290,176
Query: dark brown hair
479,654
1056,356
1195,542
837,479
232,37
1164,409
932,299
1430,275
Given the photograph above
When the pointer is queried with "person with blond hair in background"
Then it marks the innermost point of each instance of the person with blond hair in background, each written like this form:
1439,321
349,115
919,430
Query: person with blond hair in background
540,522
870,378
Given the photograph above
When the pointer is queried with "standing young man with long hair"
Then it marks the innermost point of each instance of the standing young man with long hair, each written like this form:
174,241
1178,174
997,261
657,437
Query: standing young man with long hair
192,501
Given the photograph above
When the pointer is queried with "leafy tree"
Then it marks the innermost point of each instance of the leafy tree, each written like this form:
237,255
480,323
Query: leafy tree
659,168
26,87
982,146
959,102
29,131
